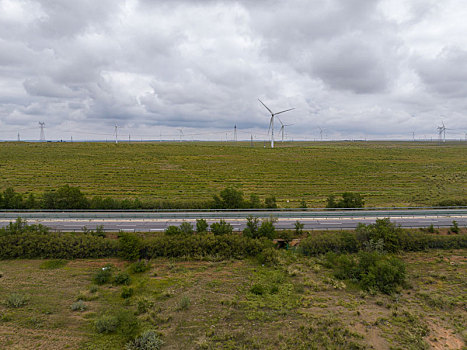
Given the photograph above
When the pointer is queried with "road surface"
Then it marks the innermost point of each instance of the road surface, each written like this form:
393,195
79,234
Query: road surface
146,221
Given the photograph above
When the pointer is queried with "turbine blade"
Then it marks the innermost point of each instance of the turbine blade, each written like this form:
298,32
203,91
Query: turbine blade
284,111
265,106
280,121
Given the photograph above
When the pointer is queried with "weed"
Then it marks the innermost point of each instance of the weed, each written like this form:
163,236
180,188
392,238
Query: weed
16,300
148,340
122,278
53,264
127,292
140,266
184,303
79,306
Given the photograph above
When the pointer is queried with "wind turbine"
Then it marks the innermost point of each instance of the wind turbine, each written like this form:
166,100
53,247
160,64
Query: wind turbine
181,134
271,122
442,132
283,128
321,132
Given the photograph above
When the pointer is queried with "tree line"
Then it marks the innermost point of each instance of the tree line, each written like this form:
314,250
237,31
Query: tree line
69,197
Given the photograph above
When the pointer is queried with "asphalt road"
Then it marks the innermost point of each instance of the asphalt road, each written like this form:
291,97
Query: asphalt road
158,221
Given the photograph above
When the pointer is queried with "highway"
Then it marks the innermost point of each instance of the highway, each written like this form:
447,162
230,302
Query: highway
150,221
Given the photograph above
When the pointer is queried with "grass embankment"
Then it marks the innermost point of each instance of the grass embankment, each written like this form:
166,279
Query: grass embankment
385,173
236,304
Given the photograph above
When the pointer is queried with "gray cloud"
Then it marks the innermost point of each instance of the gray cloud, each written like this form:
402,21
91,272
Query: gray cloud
353,67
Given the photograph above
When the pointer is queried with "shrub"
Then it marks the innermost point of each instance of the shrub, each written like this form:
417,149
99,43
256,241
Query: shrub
268,257
267,228
122,278
106,324
230,198
127,292
79,306
129,246
252,225
383,230
143,305
16,300
270,202
372,270
103,275
148,340
172,230
221,228
455,227
201,226
66,197
348,200
140,266
299,227
258,289
186,228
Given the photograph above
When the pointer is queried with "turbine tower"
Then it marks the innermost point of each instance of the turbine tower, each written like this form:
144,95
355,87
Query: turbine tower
116,133
442,133
282,129
321,133
18,137
42,125
235,133
271,122
181,134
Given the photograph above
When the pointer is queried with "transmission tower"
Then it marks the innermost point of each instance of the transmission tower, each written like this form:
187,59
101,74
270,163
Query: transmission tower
116,133
42,126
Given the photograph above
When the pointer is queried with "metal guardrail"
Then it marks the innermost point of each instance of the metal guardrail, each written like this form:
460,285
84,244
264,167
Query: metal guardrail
216,214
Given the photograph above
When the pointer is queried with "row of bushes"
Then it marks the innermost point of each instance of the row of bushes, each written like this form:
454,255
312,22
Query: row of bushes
381,236
19,240
68,197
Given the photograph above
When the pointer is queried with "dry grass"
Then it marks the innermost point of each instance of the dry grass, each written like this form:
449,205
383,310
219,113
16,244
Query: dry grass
302,306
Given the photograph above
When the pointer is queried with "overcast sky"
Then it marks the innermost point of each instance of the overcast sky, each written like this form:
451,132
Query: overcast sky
354,68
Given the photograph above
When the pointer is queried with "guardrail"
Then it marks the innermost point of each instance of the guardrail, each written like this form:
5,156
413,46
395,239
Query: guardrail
217,214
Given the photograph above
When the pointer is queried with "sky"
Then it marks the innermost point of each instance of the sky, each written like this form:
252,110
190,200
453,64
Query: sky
352,69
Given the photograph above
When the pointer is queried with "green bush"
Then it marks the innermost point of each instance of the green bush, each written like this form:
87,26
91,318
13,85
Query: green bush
140,266
348,200
186,228
129,245
16,300
299,227
148,340
270,202
268,257
127,292
258,289
267,228
252,226
372,270
221,228
122,278
103,275
382,229
172,231
66,197
340,242
201,226
106,324
455,227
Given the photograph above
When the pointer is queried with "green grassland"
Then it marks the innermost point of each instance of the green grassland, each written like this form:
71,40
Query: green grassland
385,173
237,305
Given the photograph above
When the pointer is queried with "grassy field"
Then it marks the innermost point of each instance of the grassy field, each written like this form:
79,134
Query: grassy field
216,305
386,173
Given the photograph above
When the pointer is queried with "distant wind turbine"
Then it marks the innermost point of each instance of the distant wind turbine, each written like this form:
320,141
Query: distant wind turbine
181,134
283,128
271,122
